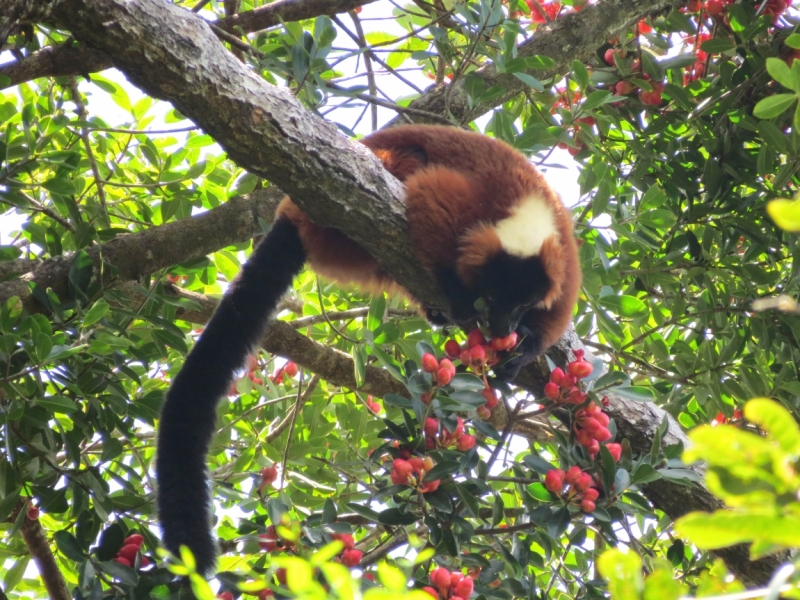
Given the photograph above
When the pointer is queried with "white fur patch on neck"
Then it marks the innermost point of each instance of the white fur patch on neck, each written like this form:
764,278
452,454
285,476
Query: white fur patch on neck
528,227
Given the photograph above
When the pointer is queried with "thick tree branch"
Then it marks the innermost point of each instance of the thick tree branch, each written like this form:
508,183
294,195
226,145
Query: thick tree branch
131,257
71,59
37,543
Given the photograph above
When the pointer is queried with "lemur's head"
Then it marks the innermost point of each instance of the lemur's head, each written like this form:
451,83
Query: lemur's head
514,265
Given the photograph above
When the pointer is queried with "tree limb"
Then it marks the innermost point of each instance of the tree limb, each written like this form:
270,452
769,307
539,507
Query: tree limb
72,59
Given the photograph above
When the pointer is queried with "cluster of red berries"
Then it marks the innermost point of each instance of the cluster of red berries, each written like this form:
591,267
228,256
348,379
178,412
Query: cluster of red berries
268,476
721,418
579,487
130,548
478,355
412,472
442,370
350,555
289,369
454,586
562,387
441,437
538,11
591,428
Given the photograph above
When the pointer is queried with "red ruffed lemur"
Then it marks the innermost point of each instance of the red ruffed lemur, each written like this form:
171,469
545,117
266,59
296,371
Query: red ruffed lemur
482,220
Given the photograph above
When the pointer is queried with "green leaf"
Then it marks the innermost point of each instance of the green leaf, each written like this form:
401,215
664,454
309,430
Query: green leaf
716,45
659,218
781,72
538,491
540,62
580,73
635,392
793,41
785,213
530,81
97,312
14,574
69,546
776,421
9,253
57,404
393,516
60,185
774,137
773,106
625,306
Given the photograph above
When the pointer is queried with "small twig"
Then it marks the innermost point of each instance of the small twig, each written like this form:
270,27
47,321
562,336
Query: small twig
72,83
362,43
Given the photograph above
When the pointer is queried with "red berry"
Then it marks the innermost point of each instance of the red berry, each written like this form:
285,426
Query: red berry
352,557
444,376
252,363
615,450
32,512
602,418
551,391
128,552
609,56
452,349
135,539
465,442
440,577
446,363
403,467
455,577
477,356
576,396
122,561
375,407
145,562
584,482
346,539
554,481
483,412
714,7
587,506
623,88
591,494
416,464
491,397
652,98
464,587
465,358
573,474
602,434
269,474
580,369
429,363
269,541
557,376
475,338
431,427
290,369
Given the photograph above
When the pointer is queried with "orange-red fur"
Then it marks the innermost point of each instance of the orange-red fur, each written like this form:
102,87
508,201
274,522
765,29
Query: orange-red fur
468,183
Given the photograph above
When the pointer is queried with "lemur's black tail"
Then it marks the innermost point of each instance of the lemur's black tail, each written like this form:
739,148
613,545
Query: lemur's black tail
189,413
